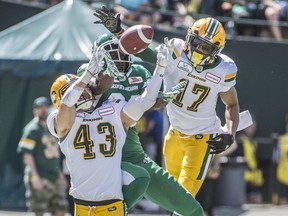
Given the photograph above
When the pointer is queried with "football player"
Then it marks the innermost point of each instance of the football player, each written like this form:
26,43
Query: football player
195,133
163,188
92,138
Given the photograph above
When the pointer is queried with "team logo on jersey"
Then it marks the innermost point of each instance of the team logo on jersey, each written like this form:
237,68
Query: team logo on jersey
113,208
135,80
93,119
185,66
199,68
196,77
198,136
212,77
106,111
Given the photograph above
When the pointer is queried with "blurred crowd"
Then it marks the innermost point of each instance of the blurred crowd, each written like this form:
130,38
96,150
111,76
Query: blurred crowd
181,13
269,15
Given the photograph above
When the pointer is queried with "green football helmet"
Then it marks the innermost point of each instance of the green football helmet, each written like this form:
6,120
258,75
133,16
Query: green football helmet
110,43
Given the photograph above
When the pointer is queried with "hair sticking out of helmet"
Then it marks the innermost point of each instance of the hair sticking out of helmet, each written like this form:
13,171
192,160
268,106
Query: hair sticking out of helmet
110,43
86,101
204,40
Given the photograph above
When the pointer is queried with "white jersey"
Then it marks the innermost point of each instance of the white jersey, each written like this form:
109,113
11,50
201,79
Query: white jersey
194,110
93,151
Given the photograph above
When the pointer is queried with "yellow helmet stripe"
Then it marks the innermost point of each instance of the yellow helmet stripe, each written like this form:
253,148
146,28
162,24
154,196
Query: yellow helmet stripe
212,27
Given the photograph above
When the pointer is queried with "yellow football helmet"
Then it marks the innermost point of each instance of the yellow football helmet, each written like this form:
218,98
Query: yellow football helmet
204,40
85,103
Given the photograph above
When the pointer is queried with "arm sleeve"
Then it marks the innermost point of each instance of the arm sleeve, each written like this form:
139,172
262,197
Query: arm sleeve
149,55
136,106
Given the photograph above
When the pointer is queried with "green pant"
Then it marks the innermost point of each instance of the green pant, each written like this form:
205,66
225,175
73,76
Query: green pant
135,182
163,190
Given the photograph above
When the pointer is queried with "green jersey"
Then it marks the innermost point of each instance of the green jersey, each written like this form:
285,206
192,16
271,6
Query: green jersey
44,148
136,80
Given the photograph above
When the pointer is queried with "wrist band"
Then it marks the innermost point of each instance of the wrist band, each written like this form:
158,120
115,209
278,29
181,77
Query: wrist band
86,77
118,34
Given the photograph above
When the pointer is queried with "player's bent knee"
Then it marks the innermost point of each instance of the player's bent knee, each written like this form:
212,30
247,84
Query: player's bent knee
130,172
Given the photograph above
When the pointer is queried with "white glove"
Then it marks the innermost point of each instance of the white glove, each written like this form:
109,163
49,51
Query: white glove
94,66
170,46
162,56
96,61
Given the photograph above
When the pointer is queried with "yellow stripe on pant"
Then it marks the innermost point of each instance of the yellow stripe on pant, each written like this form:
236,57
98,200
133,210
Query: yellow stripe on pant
187,158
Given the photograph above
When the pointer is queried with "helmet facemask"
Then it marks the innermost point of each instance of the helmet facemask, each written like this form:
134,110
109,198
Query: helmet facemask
200,50
122,61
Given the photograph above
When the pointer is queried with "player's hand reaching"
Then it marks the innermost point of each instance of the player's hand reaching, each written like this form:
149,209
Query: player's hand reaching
162,56
96,61
169,95
220,143
169,45
109,19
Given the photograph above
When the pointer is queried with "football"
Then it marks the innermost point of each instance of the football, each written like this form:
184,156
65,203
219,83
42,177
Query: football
135,39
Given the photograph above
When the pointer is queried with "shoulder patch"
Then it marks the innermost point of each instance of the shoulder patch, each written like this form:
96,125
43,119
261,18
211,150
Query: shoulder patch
135,80
212,77
230,77
106,111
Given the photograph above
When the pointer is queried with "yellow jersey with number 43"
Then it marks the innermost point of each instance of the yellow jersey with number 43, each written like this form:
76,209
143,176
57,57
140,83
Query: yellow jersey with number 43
193,111
93,151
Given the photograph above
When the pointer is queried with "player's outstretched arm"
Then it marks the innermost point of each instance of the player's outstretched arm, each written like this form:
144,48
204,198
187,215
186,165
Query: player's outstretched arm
67,110
136,106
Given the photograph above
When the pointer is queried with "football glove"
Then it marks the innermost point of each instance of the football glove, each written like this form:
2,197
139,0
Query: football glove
220,143
162,55
169,95
109,19
169,45
96,60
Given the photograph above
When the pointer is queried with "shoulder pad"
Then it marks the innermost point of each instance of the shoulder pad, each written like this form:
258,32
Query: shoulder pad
229,68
